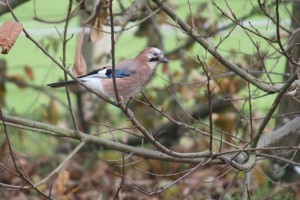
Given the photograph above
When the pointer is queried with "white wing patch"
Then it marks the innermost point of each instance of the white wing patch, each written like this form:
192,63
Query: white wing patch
102,73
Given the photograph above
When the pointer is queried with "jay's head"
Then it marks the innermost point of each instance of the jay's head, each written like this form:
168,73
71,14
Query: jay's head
153,56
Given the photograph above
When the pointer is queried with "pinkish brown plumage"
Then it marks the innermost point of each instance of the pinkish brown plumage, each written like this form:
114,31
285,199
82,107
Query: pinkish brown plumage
132,75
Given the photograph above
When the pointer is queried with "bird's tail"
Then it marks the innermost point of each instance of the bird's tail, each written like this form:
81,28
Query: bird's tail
62,84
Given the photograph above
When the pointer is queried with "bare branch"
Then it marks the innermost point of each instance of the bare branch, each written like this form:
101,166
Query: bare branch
276,137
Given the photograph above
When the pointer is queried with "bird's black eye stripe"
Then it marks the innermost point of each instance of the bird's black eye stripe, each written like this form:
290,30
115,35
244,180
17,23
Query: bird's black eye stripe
153,60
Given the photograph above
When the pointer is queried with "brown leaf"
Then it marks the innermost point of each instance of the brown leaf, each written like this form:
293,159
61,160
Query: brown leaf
65,186
187,92
226,121
29,72
18,79
20,136
9,32
260,179
62,181
52,114
216,66
96,34
102,12
79,67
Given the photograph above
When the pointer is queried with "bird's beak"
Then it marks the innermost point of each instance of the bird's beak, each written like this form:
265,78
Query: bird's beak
164,60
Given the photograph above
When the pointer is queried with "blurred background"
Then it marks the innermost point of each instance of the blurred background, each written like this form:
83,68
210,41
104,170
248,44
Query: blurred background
241,31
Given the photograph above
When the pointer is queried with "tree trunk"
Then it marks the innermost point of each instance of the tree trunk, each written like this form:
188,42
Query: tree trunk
289,104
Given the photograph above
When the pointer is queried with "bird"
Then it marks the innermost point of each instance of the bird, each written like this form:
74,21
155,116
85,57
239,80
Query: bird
131,75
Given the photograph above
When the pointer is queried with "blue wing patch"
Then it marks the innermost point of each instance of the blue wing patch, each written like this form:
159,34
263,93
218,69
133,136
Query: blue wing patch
119,73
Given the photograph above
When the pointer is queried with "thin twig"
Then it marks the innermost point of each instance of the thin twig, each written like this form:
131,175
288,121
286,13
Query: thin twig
164,188
205,68
64,58
122,180
250,111
113,64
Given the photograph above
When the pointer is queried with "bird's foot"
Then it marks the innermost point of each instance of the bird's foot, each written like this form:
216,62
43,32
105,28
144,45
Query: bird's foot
120,101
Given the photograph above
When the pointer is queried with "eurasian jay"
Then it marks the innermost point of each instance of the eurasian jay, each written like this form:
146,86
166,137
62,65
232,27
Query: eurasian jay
131,75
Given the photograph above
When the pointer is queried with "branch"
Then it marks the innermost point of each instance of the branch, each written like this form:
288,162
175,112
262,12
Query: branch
60,132
13,4
64,58
231,158
276,137
130,12
245,194
113,63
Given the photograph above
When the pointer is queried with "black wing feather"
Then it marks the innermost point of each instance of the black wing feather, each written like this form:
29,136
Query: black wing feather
62,83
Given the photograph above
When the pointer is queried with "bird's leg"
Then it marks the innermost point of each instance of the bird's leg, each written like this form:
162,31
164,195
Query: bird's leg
129,113
121,101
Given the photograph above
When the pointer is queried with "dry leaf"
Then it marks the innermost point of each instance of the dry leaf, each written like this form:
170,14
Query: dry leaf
18,79
260,180
9,32
29,72
96,34
52,114
102,12
65,186
62,181
187,92
79,67
216,66
226,121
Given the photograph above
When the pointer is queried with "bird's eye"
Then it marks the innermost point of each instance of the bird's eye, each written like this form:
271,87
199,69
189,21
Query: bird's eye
155,54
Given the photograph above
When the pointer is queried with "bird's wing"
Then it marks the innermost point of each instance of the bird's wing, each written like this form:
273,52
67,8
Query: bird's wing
106,72
119,73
